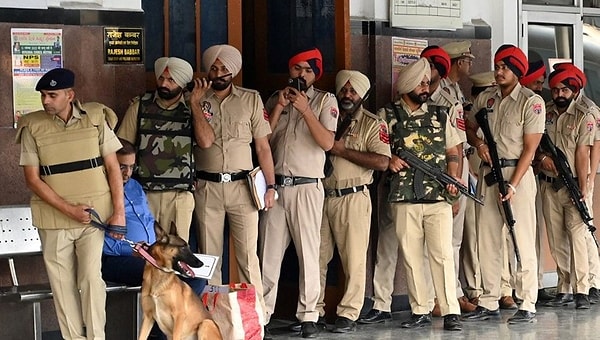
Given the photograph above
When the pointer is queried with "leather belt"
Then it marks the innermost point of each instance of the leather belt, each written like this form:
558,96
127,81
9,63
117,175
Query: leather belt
345,191
548,179
504,163
286,181
221,177
47,170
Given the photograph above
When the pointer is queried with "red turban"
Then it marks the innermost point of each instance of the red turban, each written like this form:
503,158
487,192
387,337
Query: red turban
514,58
439,57
567,77
313,57
569,66
536,70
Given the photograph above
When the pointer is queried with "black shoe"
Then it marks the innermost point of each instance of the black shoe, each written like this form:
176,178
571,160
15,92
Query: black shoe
582,301
481,313
268,335
297,326
374,316
594,295
522,316
309,329
452,323
416,321
544,295
344,325
560,300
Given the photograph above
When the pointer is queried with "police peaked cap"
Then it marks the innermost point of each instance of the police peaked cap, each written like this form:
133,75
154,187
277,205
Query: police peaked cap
56,79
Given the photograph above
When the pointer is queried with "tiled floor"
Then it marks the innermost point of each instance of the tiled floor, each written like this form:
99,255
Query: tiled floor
552,323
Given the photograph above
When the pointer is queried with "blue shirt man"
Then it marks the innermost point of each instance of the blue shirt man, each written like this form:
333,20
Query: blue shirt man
118,261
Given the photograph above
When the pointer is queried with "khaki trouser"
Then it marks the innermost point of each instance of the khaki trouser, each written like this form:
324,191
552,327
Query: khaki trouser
346,225
296,216
214,202
468,252
172,206
568,233
418,225
387,258
593,256
491,240
73,262
458,224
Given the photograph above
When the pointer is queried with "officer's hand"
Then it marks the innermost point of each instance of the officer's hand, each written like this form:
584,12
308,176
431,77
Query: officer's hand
200,89
78,213
509,194
282,98
338,147
270,197
455,208
548,164
397,164
483,151
452,189
116,220
299,100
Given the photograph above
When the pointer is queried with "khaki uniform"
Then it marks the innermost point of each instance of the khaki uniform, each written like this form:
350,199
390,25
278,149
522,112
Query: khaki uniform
169,205
72,251
424,227
236,121
443,97
297,214
468,252
585,103
567,232
347,219
521,112
454,90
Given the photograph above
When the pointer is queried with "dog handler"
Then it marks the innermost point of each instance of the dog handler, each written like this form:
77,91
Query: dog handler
68,157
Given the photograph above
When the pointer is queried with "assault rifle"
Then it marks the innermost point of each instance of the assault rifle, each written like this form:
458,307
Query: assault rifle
497,177
434,172
342,130
565,174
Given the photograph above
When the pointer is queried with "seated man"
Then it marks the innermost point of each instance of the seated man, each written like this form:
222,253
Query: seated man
118,261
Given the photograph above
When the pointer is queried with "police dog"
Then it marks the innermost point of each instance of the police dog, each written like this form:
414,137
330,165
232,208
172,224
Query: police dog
166,299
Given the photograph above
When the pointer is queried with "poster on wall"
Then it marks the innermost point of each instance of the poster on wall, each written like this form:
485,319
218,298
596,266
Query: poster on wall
404,52
34,52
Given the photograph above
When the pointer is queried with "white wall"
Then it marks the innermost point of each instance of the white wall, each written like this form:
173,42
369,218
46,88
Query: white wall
501,15
131,5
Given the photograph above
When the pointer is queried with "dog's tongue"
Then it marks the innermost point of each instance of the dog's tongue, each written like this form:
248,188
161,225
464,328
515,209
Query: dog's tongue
187,270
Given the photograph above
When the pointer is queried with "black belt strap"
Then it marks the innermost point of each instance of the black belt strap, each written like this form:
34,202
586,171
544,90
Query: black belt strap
548,179
219,177
47,170
345,191
504,163
286,181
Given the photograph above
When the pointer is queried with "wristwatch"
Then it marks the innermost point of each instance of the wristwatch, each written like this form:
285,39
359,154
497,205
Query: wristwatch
272,186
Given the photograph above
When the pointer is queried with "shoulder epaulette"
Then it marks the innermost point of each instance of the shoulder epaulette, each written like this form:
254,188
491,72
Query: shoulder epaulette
367,113
527,92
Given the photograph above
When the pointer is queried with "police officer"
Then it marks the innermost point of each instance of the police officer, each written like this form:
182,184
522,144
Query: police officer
70,165
162,127
516,119
534,80
572,130
364,147
439,61
425,131
236,115
468,252
461,60
303,121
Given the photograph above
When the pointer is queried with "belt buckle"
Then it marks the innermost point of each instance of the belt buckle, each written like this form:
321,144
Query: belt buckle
225,178
287,181
330,192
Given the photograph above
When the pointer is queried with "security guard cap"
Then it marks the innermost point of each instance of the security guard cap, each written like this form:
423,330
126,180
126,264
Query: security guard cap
459,49
483,79
56,79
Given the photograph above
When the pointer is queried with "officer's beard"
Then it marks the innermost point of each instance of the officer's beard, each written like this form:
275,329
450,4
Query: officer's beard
219,84
419,98
167,94
562,102
347,105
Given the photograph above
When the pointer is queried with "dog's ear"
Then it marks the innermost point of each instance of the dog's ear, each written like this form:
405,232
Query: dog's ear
160,233
173,230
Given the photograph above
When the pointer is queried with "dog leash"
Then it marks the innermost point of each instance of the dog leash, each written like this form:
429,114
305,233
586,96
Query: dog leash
96,221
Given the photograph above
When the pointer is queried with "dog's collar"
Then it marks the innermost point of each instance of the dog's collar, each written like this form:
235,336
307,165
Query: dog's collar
142,249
